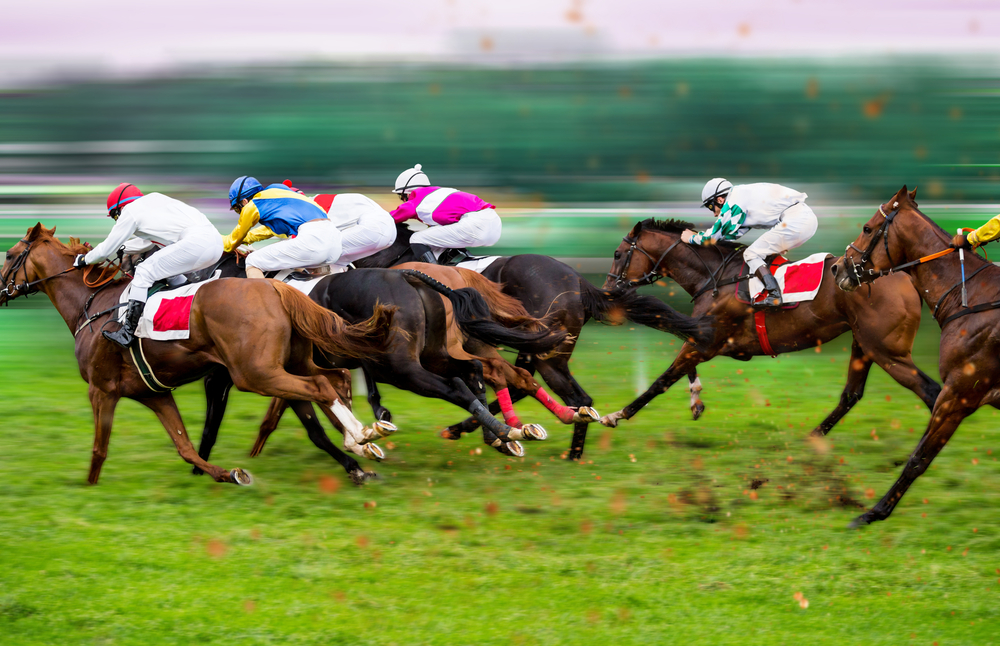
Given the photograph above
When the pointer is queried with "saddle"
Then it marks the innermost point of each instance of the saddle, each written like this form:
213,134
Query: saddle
454,257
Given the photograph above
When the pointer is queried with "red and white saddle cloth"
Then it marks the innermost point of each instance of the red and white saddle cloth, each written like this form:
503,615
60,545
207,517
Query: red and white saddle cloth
799,281
167,315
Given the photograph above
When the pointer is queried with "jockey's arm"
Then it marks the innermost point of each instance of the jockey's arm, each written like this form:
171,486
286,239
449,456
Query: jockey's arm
726,226
124,227
257,234
404,212
249,216
986,233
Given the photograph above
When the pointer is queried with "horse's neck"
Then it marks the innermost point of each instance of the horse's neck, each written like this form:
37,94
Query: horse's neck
69,296
692,269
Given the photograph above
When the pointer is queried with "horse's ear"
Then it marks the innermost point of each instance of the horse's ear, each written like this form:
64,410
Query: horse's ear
636,229
34,232
73,241
913,196
901,196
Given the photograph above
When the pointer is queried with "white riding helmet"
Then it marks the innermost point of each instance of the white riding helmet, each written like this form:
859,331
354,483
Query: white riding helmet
411,178
716,187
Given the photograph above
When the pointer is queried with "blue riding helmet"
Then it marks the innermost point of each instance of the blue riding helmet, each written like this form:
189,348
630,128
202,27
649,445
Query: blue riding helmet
243,188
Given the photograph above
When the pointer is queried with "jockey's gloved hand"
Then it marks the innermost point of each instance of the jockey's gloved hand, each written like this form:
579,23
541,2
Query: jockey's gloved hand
80,261
961,241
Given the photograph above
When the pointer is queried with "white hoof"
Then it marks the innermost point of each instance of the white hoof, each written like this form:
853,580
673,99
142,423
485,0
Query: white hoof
241,478
612,419
586,414
378,430
372,451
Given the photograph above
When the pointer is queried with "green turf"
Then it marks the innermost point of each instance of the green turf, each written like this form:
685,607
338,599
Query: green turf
464,547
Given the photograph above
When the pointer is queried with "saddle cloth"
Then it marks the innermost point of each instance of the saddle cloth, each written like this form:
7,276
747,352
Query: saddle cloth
799,281
167,315
478,265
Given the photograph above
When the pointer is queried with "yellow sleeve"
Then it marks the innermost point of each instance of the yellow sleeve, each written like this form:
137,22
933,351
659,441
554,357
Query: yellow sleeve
987,232
249,216
260,233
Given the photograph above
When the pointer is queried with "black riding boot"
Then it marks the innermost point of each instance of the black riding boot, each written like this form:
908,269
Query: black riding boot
423,253
773,298
125,336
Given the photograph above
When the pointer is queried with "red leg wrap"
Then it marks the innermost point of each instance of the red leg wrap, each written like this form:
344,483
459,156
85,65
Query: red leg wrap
507,408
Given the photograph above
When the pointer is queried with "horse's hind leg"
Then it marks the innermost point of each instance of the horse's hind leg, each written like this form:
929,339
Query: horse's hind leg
857,375
470,424
555,372
104,416
217,386
274,412
307,415
694,387
375,398
166,411
687,360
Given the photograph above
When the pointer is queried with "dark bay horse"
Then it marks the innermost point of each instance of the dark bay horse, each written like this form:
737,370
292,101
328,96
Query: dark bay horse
417,357
884,324
554,291
899,234
263,333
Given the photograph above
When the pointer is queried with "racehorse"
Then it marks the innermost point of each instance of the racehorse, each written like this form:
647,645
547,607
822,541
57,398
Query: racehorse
420,357
884,323
899,238
553,291
263,333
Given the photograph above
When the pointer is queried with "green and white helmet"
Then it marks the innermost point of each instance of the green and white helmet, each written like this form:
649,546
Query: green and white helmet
716,187
410,179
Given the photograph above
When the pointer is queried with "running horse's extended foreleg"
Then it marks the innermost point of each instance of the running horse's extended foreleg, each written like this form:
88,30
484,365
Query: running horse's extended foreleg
307,415
375,397
104,414
217,386
470,424
857,375
687,360
694,387
166,411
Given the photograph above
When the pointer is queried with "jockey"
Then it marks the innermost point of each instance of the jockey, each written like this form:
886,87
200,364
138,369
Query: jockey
757,206
190,243
455,219
366,227
312,239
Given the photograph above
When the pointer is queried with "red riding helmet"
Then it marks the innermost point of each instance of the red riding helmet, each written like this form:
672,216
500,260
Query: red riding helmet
121,196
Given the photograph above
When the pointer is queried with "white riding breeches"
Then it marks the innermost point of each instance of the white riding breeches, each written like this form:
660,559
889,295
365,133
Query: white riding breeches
797,224
476,229
317,243
373,233
198,249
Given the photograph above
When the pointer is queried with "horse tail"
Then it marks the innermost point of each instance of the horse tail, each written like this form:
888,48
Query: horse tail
506,309
329,332
476,318
617,306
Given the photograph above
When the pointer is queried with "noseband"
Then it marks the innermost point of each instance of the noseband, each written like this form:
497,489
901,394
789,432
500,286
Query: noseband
11,288
650,277
856,271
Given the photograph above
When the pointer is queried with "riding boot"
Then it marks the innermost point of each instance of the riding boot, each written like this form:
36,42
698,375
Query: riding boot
125,335
773,298
423,253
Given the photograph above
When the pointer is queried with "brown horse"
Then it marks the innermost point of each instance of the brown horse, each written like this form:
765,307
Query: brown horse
884,324
263,332
900,238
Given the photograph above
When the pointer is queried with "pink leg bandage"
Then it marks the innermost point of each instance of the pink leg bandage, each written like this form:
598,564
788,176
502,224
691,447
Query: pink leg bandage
564,413
507,408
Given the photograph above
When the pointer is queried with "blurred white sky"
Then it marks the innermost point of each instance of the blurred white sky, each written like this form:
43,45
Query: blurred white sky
45,37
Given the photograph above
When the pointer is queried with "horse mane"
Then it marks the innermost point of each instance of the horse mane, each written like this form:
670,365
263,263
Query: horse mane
678,226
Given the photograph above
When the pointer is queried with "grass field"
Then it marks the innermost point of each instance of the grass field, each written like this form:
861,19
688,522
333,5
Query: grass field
656,538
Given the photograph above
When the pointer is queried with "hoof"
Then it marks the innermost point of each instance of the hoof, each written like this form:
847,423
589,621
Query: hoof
240,477
586,414
360,476
611,420
383,415
451,434
697,410
860,522
513,449
385,428
533,432
372,451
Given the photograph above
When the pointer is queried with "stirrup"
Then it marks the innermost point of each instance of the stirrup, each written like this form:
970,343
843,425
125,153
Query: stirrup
771,300
122,336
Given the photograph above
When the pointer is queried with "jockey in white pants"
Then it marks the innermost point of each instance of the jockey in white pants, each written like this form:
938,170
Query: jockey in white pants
190,242
313,240
365,226
455,219
757,206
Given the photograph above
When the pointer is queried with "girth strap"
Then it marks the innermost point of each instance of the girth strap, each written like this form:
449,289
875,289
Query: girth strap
145,371
765,343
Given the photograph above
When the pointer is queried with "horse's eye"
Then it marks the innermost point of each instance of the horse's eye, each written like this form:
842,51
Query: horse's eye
867,229
618,255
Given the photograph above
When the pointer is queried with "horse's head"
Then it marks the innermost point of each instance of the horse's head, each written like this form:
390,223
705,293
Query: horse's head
639,258
874,251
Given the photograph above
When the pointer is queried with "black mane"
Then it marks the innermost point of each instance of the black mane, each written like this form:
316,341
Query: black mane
668,226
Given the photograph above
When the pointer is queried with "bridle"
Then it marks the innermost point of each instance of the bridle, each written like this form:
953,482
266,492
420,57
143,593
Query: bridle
860,275
650,277
12,288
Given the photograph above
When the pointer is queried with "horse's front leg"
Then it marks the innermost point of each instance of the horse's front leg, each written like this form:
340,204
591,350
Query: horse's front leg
375,397
104,414
217,386
685,363
694,387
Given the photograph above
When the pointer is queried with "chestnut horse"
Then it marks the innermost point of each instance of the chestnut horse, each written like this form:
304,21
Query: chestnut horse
899,237
884,324
262,332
